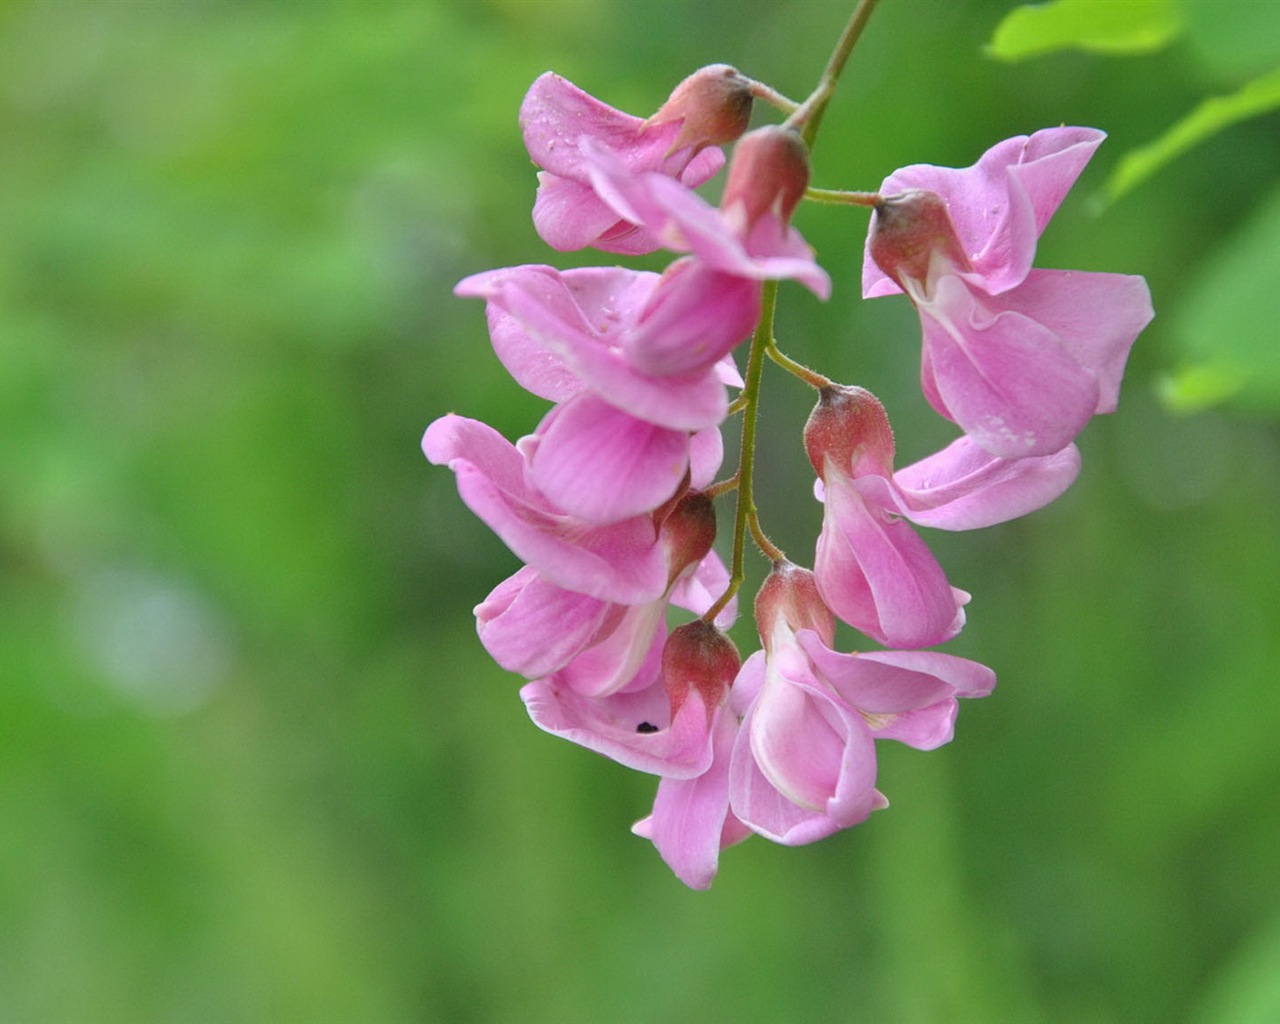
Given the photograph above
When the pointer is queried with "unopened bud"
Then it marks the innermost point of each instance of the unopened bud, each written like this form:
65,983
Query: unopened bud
697,656
713,105
768,174
911,230
689,531
789,596
849,426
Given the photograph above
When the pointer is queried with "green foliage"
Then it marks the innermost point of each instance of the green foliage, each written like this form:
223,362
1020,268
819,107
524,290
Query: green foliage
1096,26
1225,326
1257,97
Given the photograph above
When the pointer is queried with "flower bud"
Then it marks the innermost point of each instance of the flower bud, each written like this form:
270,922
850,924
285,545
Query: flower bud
697,656
789,597
689,531
713,105
850,427
768,174
911,230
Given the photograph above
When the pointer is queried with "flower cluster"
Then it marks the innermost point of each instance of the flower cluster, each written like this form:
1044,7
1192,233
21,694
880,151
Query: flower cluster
611,502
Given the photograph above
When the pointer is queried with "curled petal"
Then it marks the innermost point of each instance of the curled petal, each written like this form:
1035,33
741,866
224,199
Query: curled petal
1095,317
619,563
876,574
965,487
632,726
535,628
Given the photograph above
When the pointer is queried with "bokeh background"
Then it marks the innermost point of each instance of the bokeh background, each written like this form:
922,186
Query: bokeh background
254,764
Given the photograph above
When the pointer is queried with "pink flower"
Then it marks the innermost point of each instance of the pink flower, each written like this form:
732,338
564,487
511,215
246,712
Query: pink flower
710,107
873,569
619,443
803,763
663,720
733,249
596,647
1019,358
620,562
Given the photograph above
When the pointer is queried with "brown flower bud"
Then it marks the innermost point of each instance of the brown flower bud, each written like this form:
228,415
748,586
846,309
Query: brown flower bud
689,531
697,656
910,230
790,596
713,105
849,426
768,174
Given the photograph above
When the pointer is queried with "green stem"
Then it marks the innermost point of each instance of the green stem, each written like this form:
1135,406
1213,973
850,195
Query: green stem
810,377
811,110
745,513
831,195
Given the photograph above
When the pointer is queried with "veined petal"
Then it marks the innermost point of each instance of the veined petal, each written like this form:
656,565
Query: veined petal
693,319
603,465
568,215
925,729
870,684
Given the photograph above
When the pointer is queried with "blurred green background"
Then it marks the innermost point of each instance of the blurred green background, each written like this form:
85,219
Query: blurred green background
254,764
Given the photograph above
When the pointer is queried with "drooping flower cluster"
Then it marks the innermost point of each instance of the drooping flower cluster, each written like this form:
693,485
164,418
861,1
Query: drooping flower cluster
611,502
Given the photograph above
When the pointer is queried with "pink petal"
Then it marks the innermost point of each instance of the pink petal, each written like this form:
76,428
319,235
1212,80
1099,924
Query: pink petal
803,765
613,662
691,821
925,729
535,628
1007,380
700,590
632,727
706,453
870,684
568,215
559,332
964,487
876,574
602,465
1001,204
694,318
619,563
1096,318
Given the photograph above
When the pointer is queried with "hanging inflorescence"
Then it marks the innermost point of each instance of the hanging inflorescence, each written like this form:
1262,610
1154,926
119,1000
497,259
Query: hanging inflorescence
612,501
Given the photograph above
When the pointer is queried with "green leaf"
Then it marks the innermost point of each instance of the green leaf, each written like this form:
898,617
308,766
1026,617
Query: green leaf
1111,27
1260,96
1224,331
